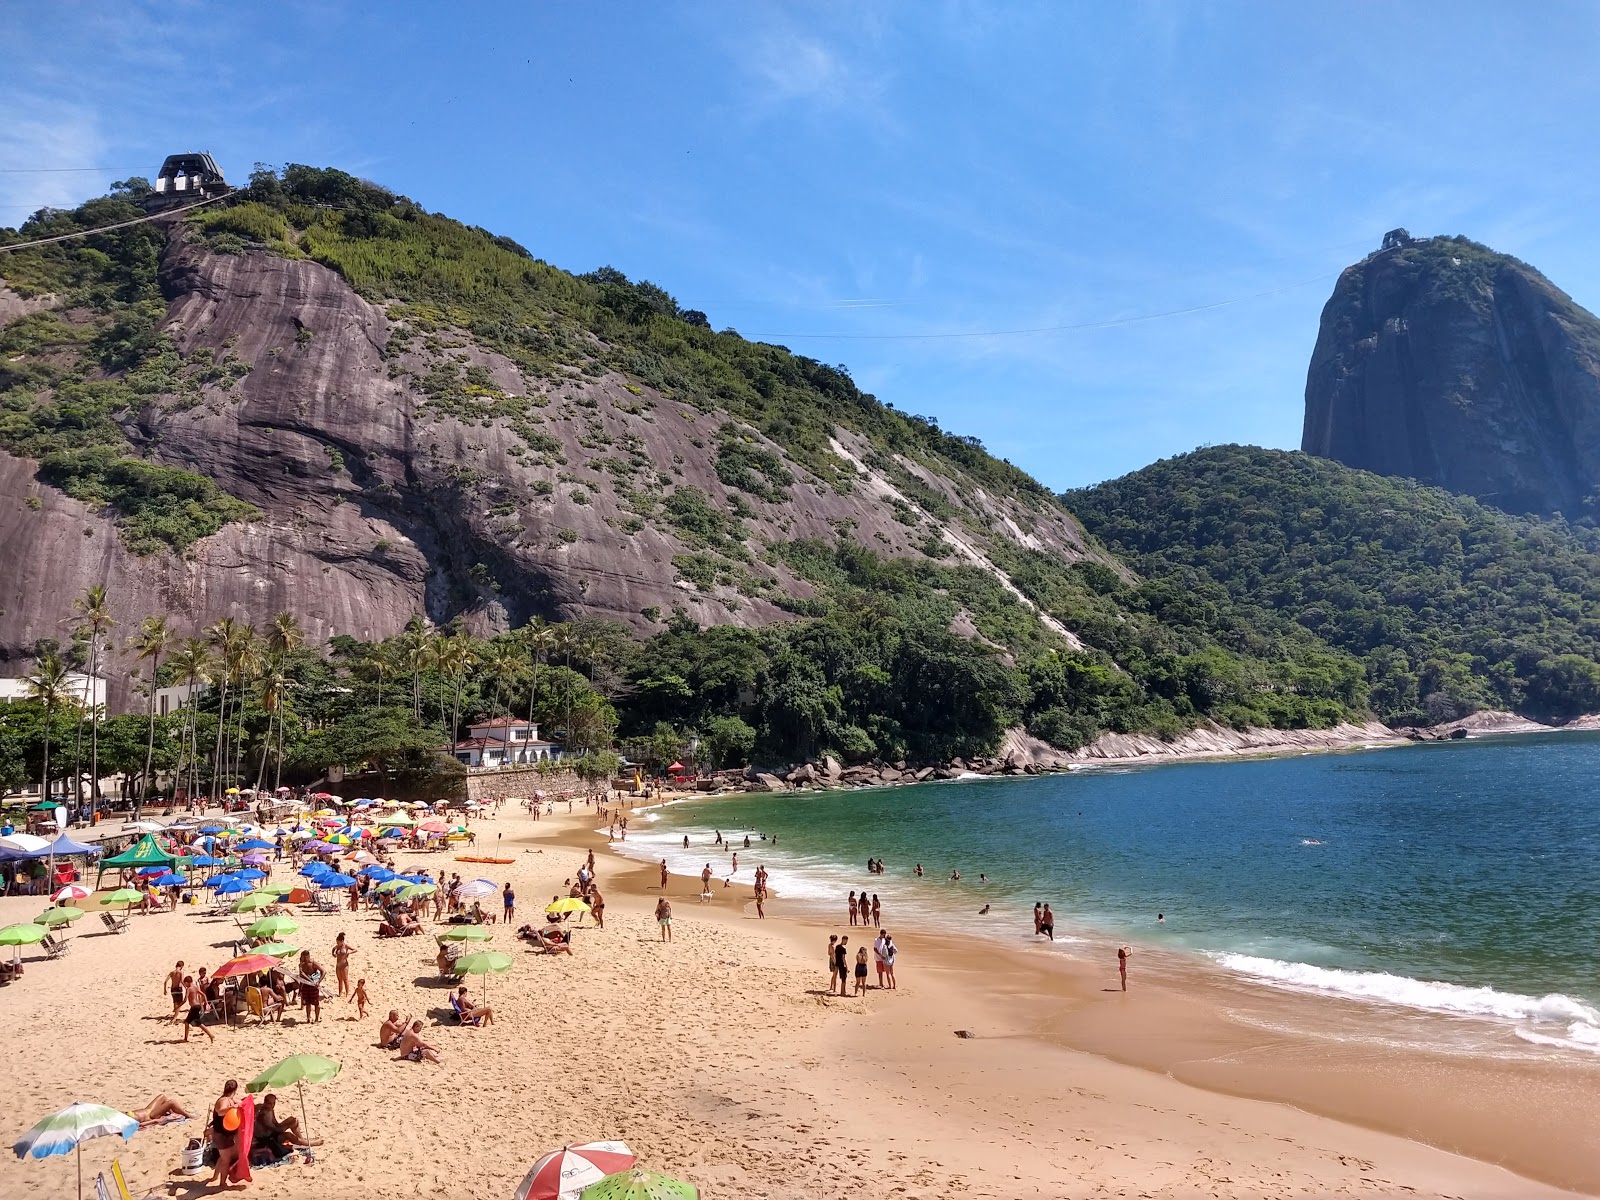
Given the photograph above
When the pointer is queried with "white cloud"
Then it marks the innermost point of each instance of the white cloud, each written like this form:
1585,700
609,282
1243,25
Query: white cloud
38,135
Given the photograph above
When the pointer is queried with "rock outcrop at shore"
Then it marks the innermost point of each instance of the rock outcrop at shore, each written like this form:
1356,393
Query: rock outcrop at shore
1441,360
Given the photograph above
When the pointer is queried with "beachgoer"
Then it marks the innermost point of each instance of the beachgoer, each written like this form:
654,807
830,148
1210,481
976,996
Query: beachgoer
159,1109
686,841
508,902
197,1009
833,965
391,1030
1038,917
919,871
877,910
861,971
277,1134
597,908
760,897
841,963
747,841
982,878
984,911
224,1132
664,874
414,1049
359,999
890,953
310,980
342,951
880,952
1047,923
476,1014
955,876
664,918
852,908
175,990
1123,954
1161,918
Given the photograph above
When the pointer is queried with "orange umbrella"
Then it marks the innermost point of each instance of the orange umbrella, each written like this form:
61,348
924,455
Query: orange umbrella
245,964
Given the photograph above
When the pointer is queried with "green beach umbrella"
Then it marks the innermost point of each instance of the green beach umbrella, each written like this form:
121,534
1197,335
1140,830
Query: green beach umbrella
275,889
276,950
394,885
253,902
466,933
64,915
485,963
415,891
22,935
640,1184
123,896
65,1132
298,1069
272,927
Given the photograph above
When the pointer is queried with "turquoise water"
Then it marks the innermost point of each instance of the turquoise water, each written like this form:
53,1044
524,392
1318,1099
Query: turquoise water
1460,877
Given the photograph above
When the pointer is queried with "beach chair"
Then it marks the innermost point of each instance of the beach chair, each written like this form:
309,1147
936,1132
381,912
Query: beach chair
55,948
113,923
260,1007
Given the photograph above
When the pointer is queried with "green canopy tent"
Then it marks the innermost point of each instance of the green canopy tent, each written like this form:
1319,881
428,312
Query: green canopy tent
146,852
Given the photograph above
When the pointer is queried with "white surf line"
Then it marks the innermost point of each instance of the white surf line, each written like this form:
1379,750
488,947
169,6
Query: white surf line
880,486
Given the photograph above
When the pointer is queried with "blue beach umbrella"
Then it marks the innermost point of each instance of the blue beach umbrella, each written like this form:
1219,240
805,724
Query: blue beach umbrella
312,869
250,873
169,879
205,860
209,830
417,878
232,887
391,832
218,879
376,873
335,880
256,844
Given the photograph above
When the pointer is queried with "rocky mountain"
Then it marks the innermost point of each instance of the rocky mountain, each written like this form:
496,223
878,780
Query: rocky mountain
1442,361
266,407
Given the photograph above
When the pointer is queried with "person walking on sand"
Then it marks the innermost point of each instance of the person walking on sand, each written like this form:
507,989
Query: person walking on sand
175,990
1123,954
664,876
852,908
358,997
664,918
342,951
841,964
1047,923
197,1009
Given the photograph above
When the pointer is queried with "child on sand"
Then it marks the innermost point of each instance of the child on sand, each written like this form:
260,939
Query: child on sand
861,971
359,999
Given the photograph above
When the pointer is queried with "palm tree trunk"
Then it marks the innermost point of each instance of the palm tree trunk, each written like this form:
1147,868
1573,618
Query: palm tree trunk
222,726
94,729
149,743
44,786
277,760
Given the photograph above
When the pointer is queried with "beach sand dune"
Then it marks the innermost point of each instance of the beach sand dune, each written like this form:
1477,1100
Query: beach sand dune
717,1057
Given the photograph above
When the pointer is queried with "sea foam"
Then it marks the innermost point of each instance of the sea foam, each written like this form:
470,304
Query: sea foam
1554,1019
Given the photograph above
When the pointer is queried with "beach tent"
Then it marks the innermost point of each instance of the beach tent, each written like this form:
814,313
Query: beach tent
146,852
65,847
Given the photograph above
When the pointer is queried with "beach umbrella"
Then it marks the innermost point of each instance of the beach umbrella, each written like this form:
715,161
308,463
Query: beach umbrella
416,891
73,891
275,889
418,877
233,886
250,873
65,1132
254,859
334,880
254,902
395,819
256,844
465,933
205,860
168,879
639,1184
339,839
148,873
314,868
433,827
389,886
485,963
378,873
567,904
211,830
18,936
218,879
64,915
272,927
298,1069
147,826
391,833
277,950
245,964
475,888
27,843
123,896
563,1173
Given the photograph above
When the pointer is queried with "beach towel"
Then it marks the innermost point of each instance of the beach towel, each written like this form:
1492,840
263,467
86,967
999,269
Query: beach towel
240,1171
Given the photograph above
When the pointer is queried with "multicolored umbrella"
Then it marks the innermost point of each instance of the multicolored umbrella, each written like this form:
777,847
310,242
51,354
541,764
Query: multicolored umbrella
245,964
475,888
65,1132
639,1184
563,1173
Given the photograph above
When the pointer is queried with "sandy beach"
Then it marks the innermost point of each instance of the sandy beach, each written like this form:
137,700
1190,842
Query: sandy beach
720,1059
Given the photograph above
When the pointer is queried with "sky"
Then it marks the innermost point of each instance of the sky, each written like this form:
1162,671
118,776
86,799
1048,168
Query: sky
1091,235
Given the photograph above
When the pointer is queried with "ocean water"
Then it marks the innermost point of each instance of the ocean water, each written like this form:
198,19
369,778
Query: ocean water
1461,878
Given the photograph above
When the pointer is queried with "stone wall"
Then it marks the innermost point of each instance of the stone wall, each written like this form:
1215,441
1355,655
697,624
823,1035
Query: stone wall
521,782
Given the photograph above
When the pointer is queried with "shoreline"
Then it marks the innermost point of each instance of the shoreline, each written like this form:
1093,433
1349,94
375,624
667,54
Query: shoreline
1192,1021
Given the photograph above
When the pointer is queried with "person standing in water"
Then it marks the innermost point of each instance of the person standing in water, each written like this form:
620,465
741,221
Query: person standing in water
1038,917
1123,954
1047,923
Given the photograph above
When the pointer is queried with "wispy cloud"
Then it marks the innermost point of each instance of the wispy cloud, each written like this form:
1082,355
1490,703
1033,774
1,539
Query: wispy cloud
38,135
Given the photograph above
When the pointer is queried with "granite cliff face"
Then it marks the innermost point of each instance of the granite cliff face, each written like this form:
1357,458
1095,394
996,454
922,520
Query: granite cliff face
1443,361
377,504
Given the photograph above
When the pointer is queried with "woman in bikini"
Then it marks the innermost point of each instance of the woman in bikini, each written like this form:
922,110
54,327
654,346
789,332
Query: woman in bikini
597,908
341,962
161,1108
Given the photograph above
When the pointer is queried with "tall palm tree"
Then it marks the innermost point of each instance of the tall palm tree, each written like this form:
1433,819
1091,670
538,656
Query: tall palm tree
193,663
284,637
49,683
149,645
224,639
460,657
439,656
538,636
274,690
414,657
502,662
249,660
94,621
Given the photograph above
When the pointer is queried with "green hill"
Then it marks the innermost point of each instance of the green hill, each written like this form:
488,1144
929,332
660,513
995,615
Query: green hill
1450,605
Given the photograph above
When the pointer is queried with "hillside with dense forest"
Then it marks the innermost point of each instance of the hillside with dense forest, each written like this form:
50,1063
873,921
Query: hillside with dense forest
317,398
1450,605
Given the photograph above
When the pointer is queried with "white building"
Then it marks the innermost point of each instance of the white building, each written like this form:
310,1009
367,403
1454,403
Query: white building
179,696
503,742
84,689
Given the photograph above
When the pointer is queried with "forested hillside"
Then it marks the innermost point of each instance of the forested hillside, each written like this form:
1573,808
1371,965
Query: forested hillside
1449,604
319,398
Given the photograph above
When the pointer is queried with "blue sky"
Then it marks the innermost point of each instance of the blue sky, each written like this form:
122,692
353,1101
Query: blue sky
922,177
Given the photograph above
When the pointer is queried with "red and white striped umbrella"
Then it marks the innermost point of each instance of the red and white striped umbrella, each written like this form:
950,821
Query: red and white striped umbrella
563,1173
73,891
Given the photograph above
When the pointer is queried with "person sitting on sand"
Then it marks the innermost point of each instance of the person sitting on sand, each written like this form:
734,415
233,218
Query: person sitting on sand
414,1049
161,1108
470,1013
274,1134
556,941
391,1031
